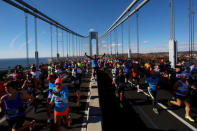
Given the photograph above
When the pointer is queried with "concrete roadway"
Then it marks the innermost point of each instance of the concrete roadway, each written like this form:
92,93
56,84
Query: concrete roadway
137,113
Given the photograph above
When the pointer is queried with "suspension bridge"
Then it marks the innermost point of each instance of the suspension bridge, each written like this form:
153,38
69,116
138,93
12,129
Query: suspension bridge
100,109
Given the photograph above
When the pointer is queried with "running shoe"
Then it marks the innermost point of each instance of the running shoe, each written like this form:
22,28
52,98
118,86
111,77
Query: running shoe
121,105
78,104
139,90
169,103
156,111
189,118
69,120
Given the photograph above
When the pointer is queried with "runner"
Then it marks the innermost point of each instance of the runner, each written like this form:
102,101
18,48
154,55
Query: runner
181,88
30,85
126,72
120,84
51,79
153,81
76,77
94,64
60,101
135,75
14,102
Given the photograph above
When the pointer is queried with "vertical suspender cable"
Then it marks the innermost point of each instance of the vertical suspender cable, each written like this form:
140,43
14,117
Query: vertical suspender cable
57,43
114,42
79,41
36,43
189,30
170,20
117,40
172,4
111,43
129,28
51,42
79,46
63,43
122,37
173,20
69,53
26,27
193,13
100,42
76,42
137,31
108,44
105,46
67,43
73,46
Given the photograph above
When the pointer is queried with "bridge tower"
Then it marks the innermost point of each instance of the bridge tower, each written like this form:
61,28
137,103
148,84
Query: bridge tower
93,35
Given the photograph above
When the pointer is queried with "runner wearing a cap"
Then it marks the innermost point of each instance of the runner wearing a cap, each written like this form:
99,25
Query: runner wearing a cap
60,101
153,81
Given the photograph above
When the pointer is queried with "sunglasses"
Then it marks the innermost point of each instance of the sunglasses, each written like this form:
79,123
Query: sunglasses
58,84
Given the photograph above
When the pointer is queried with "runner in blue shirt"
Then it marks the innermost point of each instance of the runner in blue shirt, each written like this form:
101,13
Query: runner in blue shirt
60,101
182,90
51,79
126,72
153,81
94,64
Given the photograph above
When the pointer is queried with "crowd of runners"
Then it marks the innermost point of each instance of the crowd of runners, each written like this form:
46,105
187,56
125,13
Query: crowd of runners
19,88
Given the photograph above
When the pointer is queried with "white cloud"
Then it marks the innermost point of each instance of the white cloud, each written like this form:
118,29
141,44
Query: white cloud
104,41
91,30
146,42
22,45
12,42
114,45
106,46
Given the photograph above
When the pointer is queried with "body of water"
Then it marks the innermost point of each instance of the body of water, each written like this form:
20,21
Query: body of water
5,63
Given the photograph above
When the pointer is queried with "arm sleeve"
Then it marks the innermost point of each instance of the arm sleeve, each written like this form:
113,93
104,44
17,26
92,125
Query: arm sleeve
53,98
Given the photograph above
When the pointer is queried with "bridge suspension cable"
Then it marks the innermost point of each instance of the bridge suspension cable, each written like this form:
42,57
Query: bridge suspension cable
130,14
137,34
122,15
27,43
122,34
35,12
115,25
51,41
129,40
111,43
36,43
57,43
67,44
63,43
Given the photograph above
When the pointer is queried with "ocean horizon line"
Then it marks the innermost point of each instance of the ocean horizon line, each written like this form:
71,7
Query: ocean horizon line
24,58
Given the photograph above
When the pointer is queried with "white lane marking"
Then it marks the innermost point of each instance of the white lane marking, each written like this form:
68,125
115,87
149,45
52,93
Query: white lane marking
172,113
84,125
148,118
2,120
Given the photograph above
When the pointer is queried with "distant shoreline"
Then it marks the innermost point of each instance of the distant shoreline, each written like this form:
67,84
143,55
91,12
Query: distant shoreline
24,58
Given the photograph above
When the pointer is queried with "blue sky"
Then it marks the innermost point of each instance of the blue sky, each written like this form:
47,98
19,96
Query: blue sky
83,15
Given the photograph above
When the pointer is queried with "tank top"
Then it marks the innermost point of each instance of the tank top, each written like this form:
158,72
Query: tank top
14,108
182,90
